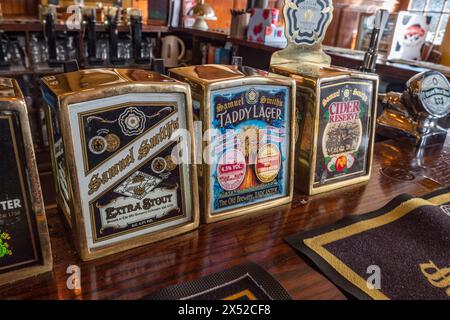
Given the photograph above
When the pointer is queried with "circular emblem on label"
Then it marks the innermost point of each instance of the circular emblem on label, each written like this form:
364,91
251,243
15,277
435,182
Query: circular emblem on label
268,162
231,169
434,94
307,20
112,142
97,145
170,165
132,122
252,96
159,165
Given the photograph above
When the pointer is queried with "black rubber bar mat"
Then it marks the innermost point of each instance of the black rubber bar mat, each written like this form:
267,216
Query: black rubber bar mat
244,282
401,251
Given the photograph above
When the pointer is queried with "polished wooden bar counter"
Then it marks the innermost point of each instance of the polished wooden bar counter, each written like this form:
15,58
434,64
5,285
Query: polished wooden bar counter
215,247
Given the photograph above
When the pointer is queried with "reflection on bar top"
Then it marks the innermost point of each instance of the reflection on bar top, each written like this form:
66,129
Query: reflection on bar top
211,73
82,80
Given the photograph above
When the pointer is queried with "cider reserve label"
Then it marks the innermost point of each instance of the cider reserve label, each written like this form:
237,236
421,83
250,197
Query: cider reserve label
250,149
129,183
18,234
344,131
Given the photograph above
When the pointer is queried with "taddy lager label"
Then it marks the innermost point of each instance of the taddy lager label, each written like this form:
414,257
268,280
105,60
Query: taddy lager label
246,133
251,148
344,126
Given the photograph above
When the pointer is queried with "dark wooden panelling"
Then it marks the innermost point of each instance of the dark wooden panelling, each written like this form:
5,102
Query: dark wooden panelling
348,27
333,29
20,8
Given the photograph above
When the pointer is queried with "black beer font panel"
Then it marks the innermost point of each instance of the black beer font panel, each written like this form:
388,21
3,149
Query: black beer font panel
344,130
19,241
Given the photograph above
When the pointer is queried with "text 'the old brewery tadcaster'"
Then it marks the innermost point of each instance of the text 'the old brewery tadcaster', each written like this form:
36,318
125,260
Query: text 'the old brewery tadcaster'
246,132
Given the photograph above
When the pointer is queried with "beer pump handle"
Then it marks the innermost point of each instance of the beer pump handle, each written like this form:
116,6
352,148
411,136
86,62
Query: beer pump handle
3,63
113,21
158,65
370,57
136,36
50,35
71,65
92,39
236,61
393,101
414,114
91,35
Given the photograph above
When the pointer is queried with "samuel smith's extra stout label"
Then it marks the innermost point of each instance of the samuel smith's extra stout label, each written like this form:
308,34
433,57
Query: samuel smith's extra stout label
344,127
251,148
129,182
19,241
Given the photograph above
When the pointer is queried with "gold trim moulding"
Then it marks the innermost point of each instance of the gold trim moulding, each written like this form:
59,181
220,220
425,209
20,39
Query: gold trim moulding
204,81
61,92
13,106
311,80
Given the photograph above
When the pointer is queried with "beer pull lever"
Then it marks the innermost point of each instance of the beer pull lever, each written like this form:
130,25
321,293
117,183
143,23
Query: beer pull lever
414,114
113,21
50,35
92,39
370,57
136,36
4,64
